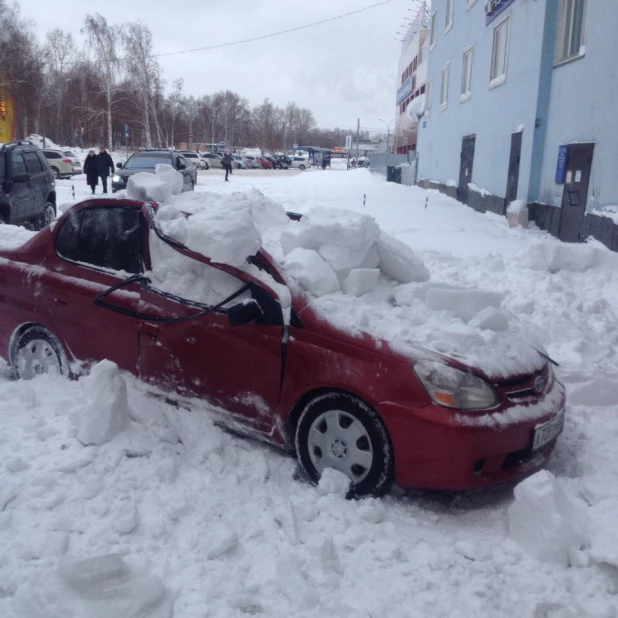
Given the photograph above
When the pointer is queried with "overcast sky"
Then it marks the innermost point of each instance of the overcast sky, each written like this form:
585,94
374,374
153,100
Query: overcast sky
342,70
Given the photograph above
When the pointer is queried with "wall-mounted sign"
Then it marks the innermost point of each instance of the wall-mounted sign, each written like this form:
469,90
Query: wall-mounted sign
493,8
406,89
563,160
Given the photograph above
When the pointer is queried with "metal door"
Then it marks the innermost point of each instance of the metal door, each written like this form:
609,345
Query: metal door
512,180
465,169
575,191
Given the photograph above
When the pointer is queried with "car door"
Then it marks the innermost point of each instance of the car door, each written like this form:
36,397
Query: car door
97,248
200,354
183,167
38,183
21,194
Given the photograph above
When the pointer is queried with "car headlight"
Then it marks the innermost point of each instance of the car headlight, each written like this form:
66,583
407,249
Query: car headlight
116,178
453,388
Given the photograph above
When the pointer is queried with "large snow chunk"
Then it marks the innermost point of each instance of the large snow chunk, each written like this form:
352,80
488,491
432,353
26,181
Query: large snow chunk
517,213
311,271
169,175
544,520
555,256
399,262
96,587
106,410
464,304
222,237
361,281
148,188
333,482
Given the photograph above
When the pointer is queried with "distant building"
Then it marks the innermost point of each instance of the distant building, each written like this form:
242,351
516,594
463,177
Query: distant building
412,76
521,104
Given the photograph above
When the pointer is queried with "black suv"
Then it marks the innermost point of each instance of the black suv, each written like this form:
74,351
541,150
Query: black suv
147,160
27,186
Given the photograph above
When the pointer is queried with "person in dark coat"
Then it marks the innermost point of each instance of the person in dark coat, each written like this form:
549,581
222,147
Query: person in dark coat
227,163
105,167
91,169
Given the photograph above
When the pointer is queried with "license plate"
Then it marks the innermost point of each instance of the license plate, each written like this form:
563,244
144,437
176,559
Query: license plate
546,432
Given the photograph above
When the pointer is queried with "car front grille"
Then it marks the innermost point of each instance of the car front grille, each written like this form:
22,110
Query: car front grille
532,385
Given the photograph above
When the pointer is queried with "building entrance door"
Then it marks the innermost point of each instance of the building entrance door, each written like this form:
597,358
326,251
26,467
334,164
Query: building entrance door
465,169
512,180
575,191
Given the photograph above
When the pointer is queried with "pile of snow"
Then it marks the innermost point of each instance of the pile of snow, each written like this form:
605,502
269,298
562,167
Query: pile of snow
157,187
569,257
41,142
105,412
517,213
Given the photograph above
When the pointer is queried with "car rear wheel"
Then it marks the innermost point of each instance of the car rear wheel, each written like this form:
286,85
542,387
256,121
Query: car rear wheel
56,172
301,167
36,352
339,431
48,216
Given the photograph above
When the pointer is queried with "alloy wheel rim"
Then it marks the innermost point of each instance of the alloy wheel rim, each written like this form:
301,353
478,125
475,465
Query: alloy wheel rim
37,357
50,215
339,440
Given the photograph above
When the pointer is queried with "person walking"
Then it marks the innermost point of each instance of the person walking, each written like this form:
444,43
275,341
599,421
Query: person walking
324,162
105,166
91,170
227,164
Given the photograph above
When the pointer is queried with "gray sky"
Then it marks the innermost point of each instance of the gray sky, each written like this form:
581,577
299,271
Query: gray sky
341,70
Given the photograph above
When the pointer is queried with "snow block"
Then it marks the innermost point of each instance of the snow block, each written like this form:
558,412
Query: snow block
517,214
490,318
464,304
147,188
333,482
544,520
311,272
360,281
106,410
399,262
170,176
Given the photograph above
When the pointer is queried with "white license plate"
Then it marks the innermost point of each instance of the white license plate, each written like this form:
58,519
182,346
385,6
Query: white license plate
548,431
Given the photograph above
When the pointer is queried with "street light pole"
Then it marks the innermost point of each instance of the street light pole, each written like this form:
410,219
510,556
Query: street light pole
388,134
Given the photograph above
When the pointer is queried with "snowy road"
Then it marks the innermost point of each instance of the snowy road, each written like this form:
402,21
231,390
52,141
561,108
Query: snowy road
228,530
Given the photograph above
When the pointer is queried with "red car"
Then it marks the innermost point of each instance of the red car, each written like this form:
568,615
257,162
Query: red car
84,290
266,164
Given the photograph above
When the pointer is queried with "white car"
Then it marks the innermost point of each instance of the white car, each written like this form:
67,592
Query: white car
252,161
212,160
241,162
195,158
299,163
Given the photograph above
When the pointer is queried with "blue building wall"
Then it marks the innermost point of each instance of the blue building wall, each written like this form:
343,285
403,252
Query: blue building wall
492,114
584,108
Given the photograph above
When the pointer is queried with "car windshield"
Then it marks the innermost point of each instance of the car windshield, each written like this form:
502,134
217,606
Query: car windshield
190,155
68,153
145,162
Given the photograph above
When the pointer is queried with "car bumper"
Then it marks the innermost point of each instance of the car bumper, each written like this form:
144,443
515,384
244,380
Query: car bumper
118,186
433,450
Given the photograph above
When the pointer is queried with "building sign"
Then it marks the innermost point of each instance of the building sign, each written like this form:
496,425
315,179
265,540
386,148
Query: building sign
406,89
7,115
563,160
493,8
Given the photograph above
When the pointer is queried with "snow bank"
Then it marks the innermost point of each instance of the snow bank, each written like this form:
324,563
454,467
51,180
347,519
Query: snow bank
106,411
569,257
38,140
545,521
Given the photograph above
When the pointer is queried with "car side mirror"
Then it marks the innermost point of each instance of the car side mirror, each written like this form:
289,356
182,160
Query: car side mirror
243,313
119,166
22,177
182,166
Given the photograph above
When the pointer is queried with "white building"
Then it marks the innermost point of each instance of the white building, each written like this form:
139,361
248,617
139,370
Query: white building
520,105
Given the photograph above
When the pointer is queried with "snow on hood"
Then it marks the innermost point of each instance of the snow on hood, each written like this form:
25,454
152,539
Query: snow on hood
355,276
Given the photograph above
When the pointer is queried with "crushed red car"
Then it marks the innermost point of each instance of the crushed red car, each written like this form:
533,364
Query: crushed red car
82,290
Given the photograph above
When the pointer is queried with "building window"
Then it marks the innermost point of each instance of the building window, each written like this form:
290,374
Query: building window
500,53
448,25
466,74
444,86
571,29
434,30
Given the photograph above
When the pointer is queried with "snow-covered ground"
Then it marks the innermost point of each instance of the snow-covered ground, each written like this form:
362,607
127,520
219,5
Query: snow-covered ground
208,524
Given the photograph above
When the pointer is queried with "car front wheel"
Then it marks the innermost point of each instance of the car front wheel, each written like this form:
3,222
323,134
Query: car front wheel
36,351
56,172
339,431
301,168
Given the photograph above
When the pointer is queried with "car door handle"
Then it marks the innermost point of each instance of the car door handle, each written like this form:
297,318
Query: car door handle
149,329
61,301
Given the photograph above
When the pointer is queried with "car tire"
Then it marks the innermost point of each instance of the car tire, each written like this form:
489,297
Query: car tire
56,172
47,217
301,167
338,430
36,351
207,167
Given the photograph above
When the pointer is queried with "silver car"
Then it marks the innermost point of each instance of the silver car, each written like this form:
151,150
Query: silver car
212,160
195,158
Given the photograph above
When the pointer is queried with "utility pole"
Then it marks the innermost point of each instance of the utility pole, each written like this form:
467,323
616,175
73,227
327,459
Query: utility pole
357,137
284,136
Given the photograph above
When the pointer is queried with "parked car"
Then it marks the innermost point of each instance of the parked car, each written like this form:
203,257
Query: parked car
252,161
195,158
147,160
62,165
212,160
284,161
265,163
74,159
240,162
299,163
27,186
89,289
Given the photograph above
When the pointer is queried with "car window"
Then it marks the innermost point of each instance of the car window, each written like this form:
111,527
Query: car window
68,153
145,162
181,161
51,155
19,165
33,163
43,160
2,166
104,237
179,275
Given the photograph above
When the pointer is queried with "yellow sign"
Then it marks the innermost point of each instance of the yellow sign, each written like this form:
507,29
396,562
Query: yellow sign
7,115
